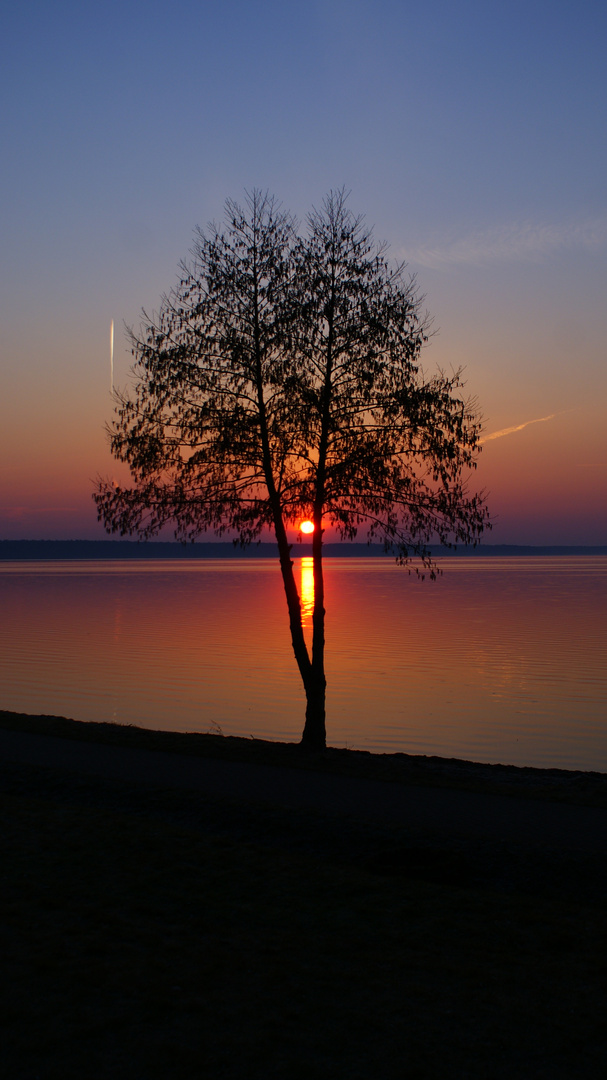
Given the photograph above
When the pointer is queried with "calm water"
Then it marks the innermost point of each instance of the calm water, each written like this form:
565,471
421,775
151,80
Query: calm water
499,660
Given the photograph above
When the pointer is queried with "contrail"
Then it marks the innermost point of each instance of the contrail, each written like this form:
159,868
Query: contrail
517,427
112,356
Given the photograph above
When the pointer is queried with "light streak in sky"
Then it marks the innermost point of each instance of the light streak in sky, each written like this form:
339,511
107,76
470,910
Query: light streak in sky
517,427
112,356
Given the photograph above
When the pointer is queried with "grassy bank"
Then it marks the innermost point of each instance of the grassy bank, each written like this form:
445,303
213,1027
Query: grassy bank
152,933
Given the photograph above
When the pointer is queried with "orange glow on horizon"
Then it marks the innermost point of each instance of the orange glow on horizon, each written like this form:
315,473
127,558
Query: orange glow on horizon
307,526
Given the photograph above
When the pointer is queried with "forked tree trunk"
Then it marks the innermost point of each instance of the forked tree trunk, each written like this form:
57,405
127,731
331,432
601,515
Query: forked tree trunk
314,734
312,671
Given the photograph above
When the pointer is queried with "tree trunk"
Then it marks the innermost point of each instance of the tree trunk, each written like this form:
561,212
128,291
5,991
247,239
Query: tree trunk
314,733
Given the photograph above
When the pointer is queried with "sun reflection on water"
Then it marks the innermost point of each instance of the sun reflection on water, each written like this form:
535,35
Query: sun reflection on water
306,592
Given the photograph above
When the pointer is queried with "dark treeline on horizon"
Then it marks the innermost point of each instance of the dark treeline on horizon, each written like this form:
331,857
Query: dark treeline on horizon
132,549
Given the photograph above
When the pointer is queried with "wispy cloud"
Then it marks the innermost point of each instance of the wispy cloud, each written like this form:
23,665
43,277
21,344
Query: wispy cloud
517,427
506,243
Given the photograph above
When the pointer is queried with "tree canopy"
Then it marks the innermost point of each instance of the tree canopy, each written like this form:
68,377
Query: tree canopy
281,379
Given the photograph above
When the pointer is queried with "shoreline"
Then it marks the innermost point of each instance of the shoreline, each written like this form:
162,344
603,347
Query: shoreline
574,787
87,550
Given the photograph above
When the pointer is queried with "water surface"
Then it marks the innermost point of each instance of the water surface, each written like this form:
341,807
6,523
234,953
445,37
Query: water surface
498,660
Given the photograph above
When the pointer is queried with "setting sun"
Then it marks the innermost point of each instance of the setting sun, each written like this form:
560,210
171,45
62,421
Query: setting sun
307,526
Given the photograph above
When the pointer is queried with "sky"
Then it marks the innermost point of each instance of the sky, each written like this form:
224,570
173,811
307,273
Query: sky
472,136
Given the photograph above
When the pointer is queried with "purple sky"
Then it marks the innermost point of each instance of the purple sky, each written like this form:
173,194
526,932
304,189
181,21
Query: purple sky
472,136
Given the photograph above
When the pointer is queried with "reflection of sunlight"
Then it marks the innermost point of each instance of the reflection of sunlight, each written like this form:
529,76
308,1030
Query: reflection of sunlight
307,590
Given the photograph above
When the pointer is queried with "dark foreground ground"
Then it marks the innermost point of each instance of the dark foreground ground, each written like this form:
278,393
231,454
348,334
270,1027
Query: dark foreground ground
194,906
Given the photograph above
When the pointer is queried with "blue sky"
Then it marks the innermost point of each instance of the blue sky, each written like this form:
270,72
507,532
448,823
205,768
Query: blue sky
472,136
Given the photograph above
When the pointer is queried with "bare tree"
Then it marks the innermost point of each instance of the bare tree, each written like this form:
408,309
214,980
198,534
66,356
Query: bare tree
281,379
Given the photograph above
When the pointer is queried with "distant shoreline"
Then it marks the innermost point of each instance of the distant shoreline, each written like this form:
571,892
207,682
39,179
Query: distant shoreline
42,550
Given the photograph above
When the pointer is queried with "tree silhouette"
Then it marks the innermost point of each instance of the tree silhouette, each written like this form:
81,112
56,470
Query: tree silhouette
281,379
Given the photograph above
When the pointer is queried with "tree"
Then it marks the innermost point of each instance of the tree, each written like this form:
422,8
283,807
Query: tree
281,379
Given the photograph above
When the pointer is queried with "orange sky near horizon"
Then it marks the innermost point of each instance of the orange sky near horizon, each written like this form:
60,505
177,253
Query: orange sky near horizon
547,483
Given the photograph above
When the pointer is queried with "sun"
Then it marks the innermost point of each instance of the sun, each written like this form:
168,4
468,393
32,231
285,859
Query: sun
307,526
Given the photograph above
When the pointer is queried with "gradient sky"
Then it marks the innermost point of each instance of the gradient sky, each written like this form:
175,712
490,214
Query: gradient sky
472,136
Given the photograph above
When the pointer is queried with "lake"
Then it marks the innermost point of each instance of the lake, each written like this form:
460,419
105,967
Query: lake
500,659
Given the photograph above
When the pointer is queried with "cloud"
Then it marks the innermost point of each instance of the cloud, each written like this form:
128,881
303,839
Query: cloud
507,243
517,427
